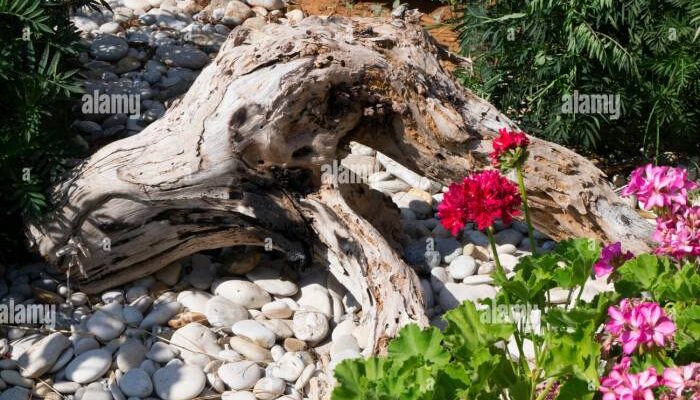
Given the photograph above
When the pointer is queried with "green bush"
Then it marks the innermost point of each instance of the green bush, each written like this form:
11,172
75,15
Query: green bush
38,83
528,55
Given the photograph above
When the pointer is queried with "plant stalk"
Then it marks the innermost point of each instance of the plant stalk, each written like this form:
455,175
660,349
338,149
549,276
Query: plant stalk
492,241
526,209
546,390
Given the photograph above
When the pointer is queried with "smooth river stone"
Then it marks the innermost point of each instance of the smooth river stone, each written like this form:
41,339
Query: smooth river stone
242,395
63,359
269,388
255,332
269,278
282,328
106,323
267,4
15,393
182,56
243,292
314,297
277,309
222,312
161,352
288,367
461,267
194,339
240,375
194,300
453,294
250,350
160,314
136,383
179,382
310,326
109,48
89,366
42,355
130,355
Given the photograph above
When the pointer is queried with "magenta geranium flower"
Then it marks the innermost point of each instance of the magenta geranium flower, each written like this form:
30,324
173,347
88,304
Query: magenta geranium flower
679,234
621,385
610,259
509,149
659,186
619,317
483,198
642,325
649,326
679,379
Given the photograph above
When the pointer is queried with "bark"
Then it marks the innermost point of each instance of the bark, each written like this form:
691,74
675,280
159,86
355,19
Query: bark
237,161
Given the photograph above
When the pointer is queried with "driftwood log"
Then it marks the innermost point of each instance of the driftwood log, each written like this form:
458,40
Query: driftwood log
237,161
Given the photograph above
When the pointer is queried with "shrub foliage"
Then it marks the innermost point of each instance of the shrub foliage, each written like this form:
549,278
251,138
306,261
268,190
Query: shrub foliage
37,80
528,55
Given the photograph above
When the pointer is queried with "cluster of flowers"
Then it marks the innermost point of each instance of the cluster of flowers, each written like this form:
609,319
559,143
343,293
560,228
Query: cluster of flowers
665,190
509,149
642,326
681,383
486,196
481,197
639,325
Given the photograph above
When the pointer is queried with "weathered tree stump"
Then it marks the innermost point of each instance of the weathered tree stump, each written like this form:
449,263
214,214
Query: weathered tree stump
237,161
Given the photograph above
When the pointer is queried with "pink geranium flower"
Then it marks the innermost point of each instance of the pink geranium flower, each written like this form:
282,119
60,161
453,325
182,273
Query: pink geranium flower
639,326
619,317
648,326
621,385
679,234
679,379
610,258
659,186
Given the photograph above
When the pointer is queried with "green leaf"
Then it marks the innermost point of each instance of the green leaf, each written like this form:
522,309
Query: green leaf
466,332
674,285
352,377
412,341
579,256
576,389
640,274
450,381
534,276
687,336
572,353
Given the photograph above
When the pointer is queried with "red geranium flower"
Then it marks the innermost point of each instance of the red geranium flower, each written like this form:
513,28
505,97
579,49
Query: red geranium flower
509,149
482,197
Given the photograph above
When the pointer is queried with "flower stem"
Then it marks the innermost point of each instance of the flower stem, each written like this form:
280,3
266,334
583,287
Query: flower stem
526,209
492,241
546,390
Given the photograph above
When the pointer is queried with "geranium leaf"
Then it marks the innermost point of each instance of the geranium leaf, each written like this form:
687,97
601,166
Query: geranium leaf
639,274
576,389
466,332
579,256
572,353
427,343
